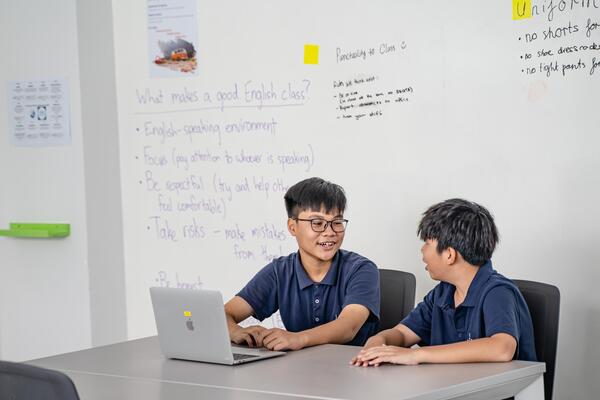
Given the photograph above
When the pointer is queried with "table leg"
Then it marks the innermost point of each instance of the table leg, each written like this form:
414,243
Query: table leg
535,391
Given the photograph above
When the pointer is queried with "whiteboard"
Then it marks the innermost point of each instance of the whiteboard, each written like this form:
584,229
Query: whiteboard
408,104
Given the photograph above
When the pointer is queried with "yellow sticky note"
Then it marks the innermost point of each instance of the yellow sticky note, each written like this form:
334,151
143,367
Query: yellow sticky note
311,54
187,314
521,9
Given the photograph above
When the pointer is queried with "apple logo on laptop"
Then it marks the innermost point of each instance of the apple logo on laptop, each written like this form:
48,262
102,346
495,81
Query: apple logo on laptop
189,323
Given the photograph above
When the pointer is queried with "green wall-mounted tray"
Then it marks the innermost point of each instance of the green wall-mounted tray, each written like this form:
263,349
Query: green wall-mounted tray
27,230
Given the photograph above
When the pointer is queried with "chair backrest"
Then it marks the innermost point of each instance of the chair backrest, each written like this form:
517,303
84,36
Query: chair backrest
397,296
543,301
27,382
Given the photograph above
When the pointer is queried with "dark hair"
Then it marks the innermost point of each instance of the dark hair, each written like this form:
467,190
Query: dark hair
463,225
314,194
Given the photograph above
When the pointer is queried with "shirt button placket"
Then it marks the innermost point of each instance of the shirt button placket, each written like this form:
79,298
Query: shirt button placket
317,303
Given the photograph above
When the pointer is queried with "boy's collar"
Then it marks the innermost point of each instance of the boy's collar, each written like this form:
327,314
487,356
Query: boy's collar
304,280
483,274
446,300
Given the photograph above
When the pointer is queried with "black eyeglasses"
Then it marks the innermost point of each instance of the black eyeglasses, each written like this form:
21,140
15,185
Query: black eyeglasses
320,224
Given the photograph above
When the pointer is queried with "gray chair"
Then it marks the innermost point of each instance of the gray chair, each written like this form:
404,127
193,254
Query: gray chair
397,296
543,301
27,382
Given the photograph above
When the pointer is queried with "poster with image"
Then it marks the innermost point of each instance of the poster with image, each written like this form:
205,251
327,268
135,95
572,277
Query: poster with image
172,38
38,113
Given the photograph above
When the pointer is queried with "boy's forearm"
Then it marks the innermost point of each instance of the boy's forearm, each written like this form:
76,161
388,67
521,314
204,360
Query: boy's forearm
392,337
336,332
231,323
478,350
236,310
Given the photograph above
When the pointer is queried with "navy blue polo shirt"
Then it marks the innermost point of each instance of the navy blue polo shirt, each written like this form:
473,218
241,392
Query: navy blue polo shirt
303,304
493,305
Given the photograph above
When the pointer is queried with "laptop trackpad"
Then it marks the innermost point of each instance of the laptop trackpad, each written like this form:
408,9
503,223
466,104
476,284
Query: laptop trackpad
240,349
240,356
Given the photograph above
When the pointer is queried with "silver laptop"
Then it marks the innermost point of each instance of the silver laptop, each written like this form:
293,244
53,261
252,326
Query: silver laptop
191,325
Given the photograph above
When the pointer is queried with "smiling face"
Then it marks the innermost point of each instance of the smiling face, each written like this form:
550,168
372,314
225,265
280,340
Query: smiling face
317,249
435,263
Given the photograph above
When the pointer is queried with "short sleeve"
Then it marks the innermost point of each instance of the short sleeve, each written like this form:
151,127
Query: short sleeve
363,289
419,319
500,312
261,292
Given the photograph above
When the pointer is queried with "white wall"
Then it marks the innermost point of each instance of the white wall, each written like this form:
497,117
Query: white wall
102,175
476,127
44,291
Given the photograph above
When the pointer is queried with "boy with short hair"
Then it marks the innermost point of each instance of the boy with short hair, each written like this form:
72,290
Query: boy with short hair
324,294
474,314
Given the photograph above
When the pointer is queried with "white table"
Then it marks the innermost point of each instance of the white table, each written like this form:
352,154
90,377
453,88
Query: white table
137,367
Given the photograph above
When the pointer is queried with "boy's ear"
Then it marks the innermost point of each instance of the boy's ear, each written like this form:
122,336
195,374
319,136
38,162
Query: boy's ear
450,255
291,224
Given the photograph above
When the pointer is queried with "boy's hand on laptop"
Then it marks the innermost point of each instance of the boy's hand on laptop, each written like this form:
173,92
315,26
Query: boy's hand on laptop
279,339
249,336
375,356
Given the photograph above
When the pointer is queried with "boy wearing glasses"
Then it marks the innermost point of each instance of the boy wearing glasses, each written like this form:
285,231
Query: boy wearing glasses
474,314
324,294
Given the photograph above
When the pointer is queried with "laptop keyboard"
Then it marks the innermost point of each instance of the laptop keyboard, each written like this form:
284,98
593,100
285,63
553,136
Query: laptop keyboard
238,356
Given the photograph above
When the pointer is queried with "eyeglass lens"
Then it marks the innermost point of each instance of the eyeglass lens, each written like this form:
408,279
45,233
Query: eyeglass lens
320,225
